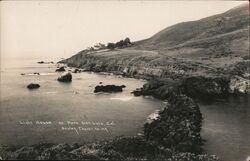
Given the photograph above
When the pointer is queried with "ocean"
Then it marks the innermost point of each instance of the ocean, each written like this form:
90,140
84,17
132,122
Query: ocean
67,112
72,113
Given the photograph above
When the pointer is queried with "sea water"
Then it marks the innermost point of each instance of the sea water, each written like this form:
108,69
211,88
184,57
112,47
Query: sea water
71,112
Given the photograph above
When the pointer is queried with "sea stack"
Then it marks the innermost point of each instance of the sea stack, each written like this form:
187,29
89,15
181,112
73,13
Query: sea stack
66,77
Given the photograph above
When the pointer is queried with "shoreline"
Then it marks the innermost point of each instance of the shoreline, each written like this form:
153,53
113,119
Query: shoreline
26,151
148,89
183,65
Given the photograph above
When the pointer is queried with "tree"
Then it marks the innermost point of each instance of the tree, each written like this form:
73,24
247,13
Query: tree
119,43
127,41
110,45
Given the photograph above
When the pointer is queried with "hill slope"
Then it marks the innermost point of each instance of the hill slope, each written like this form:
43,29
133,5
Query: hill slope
189,34
211,46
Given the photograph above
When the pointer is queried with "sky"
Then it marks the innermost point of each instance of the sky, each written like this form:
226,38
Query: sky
42,29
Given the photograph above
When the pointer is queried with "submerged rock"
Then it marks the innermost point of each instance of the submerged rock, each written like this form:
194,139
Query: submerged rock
43,62
36,73
40,62
67,77
61,69
108,88
33,86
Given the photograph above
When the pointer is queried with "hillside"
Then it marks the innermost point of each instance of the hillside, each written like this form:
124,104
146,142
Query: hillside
212,46
226,26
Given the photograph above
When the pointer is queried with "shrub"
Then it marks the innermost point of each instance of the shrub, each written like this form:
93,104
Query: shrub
178,126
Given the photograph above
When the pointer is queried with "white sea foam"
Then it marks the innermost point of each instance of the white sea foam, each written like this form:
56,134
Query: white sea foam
122,98
41,74
48,73
153,116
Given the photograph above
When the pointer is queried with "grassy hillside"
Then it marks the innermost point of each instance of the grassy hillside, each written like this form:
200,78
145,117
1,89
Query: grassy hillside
189,34
211,46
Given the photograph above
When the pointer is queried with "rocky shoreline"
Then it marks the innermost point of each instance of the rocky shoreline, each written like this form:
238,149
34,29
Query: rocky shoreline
174,135
179,124
201,59
203,88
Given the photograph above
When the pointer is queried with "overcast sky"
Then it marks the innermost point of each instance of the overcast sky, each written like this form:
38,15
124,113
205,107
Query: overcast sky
62,28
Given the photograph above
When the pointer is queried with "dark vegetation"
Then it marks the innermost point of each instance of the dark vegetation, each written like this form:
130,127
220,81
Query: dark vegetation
120,148
120,44
178,126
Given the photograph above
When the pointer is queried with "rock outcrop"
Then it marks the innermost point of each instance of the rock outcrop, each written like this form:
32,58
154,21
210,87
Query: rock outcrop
66,77
33,86
77,71
205,88
61,69
108,88
240,85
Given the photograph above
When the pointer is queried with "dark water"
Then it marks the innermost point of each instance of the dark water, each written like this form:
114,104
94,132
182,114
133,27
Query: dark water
226,127
75,101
